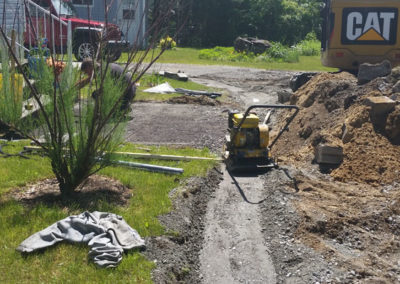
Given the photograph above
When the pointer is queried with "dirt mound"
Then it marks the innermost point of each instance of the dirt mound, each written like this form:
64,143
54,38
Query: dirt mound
89,196
199,100
333,111
356,227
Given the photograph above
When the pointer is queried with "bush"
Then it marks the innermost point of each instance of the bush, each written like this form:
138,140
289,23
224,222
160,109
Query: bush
282,53
277,52
220,53
310,46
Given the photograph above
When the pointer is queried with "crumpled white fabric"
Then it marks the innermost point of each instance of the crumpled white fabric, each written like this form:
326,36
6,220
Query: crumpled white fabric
107,235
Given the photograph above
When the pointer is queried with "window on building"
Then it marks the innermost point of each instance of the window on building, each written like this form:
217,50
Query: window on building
128,14
82,2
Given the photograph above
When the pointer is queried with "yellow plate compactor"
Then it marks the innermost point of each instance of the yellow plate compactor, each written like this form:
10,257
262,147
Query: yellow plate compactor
248,143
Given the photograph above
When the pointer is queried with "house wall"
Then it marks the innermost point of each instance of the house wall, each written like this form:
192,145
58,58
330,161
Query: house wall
13,17
130,27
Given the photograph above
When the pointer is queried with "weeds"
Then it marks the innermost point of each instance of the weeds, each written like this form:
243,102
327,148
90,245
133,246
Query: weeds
310,46
276,53
10,90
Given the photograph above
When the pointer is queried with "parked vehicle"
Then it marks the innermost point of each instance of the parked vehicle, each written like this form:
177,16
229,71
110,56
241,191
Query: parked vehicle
356,32
48,18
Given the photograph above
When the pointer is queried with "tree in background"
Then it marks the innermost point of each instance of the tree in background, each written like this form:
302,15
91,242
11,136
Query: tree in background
210,23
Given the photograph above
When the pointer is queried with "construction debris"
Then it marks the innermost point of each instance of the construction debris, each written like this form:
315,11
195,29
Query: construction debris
361,119
151,168
381,105
251,44
332,155
348,212
284,96
177,76
164,88
300,79
368,72
198,93
196,100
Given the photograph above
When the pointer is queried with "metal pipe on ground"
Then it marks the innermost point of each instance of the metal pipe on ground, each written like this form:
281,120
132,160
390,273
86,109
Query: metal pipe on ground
151,168
150,156
147,167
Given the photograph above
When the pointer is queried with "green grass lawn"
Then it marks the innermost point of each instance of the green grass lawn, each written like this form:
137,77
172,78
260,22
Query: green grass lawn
66,262
191,56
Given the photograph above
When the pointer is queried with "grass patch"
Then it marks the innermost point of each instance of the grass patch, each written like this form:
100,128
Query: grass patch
149,81
276,53
16,171
191,56
66,261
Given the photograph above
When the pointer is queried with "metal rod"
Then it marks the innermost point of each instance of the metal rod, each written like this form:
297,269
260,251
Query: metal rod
61,34
18,44
45,25
151,168
53,39
38,7
266,119
149,156
166,157
28,27
37,25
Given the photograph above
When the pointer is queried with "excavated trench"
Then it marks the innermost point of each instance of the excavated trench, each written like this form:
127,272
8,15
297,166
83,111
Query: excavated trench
290,225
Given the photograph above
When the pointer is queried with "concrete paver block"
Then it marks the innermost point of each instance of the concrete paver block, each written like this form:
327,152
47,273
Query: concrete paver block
325,154
380,105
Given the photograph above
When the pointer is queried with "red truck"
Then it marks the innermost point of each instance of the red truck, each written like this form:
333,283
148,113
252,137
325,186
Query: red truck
48,18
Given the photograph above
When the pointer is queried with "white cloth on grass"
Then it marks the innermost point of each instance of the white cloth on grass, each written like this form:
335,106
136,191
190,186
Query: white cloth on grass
107,235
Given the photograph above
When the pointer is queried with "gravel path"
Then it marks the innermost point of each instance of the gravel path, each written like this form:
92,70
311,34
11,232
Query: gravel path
234,250
244,238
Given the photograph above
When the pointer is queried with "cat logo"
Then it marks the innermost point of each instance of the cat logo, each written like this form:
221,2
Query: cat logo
369,26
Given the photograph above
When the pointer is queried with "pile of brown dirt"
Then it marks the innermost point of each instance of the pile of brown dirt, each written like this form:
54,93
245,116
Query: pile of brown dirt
356,227
333,112
199,100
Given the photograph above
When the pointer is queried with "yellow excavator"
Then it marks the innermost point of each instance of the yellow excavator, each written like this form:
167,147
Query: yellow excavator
356,32
247,146
360,31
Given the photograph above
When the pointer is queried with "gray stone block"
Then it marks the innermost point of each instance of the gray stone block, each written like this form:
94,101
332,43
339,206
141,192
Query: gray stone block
177,76
368,72
325,154
284,96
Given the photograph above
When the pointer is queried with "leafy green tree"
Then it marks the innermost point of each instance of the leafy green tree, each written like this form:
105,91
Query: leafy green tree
212,23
